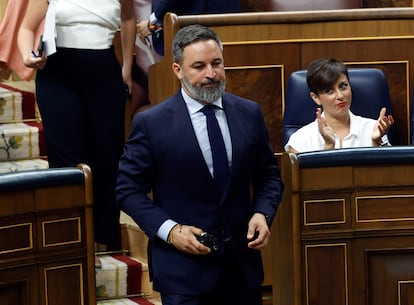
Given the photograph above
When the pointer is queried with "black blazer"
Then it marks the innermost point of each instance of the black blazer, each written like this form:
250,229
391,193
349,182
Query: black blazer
162,155
189,7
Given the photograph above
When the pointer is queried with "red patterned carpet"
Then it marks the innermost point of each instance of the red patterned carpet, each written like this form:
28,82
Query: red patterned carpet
118,281
22,145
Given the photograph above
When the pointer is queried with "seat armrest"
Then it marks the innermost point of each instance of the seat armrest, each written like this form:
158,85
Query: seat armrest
357,156
40,178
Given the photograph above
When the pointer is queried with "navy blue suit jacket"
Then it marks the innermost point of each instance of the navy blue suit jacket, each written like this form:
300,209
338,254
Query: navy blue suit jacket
162,155
189,7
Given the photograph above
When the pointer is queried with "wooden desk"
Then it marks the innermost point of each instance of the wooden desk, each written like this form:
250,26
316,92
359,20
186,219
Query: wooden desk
46,238
344,233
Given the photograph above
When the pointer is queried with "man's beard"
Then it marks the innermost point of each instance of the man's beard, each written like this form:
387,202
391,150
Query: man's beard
205,94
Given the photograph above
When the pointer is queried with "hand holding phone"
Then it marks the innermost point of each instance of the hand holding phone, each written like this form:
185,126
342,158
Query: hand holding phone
40,48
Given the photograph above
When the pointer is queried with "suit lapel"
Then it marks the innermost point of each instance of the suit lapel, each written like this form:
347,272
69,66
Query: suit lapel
185,137
235,127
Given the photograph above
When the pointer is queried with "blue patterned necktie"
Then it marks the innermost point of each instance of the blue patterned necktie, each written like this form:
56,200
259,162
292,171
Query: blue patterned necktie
218,149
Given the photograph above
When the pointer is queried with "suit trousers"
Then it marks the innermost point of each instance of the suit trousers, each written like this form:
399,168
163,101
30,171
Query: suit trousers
231,288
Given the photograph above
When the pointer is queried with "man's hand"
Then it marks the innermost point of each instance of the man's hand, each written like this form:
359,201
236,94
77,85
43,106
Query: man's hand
184,239
258,232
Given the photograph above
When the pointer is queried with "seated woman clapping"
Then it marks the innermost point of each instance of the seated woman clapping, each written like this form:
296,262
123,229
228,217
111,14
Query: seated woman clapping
335,125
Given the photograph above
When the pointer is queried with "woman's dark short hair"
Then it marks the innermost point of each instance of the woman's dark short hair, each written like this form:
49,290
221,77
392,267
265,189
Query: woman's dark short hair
323,73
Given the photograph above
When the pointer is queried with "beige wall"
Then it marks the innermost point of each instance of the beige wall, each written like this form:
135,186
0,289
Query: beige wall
3,4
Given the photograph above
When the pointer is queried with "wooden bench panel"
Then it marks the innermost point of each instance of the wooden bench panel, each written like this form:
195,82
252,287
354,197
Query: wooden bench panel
46,237
345,243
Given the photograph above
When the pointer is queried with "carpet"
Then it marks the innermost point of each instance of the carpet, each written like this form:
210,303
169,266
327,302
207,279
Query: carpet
10,106
118,277
21,129
130,301
19,141
23,165
24,103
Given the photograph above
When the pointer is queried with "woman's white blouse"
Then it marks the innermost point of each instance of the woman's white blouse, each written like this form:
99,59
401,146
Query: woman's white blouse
87,24
308,138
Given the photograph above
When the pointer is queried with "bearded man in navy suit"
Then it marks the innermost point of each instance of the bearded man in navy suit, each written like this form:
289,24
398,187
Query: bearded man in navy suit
169,155
153,26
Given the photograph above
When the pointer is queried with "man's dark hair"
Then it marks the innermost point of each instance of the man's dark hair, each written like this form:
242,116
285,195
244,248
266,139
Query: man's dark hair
191,34
323,73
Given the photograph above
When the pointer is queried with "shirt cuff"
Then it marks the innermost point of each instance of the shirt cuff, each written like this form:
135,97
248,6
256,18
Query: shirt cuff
154,20
165,229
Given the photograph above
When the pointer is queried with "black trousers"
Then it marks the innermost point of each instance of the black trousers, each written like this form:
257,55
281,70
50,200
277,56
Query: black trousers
81,98
231,288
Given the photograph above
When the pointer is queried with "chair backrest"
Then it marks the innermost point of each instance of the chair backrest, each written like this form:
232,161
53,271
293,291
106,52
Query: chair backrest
369,94
307,5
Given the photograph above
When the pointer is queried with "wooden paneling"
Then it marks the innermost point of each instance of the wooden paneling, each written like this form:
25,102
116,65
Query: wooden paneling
393,209
259,5
19,286
324,212
383,271
46,242
73,290
352,245
260,83
16,237
388,3
322,263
